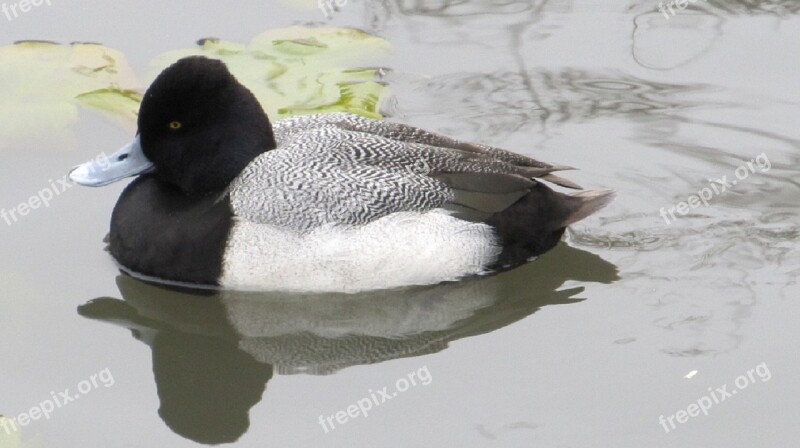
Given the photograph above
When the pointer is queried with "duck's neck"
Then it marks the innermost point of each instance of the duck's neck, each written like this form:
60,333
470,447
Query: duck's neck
245,134
157,230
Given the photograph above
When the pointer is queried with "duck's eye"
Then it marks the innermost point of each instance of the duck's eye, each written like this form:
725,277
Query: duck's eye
175,125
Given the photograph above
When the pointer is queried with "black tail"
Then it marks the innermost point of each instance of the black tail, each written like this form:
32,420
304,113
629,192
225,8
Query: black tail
535,223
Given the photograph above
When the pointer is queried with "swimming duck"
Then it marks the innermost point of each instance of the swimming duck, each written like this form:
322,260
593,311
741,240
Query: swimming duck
322,202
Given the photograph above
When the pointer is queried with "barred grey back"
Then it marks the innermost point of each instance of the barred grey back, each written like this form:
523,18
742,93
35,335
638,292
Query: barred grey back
284,128
346,169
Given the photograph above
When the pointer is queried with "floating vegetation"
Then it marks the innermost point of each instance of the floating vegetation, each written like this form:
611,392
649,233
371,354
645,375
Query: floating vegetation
43,83
291,71
302,70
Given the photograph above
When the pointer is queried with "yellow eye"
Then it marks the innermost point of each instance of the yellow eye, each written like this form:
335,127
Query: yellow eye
175,125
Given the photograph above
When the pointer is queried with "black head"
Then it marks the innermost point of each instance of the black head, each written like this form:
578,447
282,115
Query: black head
200,127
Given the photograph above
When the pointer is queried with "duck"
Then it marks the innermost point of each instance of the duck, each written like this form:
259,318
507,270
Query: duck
325,202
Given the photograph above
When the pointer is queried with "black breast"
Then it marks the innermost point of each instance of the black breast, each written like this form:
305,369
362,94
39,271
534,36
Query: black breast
159,231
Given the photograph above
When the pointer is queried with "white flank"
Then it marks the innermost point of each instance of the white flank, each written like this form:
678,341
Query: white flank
397,250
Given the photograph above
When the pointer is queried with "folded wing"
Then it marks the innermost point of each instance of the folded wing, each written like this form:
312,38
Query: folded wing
341,169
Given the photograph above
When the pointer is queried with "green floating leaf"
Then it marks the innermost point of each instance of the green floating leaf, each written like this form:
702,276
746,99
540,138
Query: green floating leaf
123,105
11,436
42,84
300,70
295,70
8,440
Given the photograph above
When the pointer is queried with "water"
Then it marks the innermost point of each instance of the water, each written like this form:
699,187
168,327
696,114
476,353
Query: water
635,317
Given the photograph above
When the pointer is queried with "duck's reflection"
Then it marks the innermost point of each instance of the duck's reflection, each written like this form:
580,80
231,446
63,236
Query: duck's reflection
214,354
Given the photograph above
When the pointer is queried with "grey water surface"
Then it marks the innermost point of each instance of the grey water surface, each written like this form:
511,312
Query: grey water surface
643,315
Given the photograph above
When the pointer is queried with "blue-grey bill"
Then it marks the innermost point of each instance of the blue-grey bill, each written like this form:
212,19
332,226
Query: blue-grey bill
128,161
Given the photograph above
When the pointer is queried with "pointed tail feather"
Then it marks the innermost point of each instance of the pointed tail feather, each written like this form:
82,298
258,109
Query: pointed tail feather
588,202
558,180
